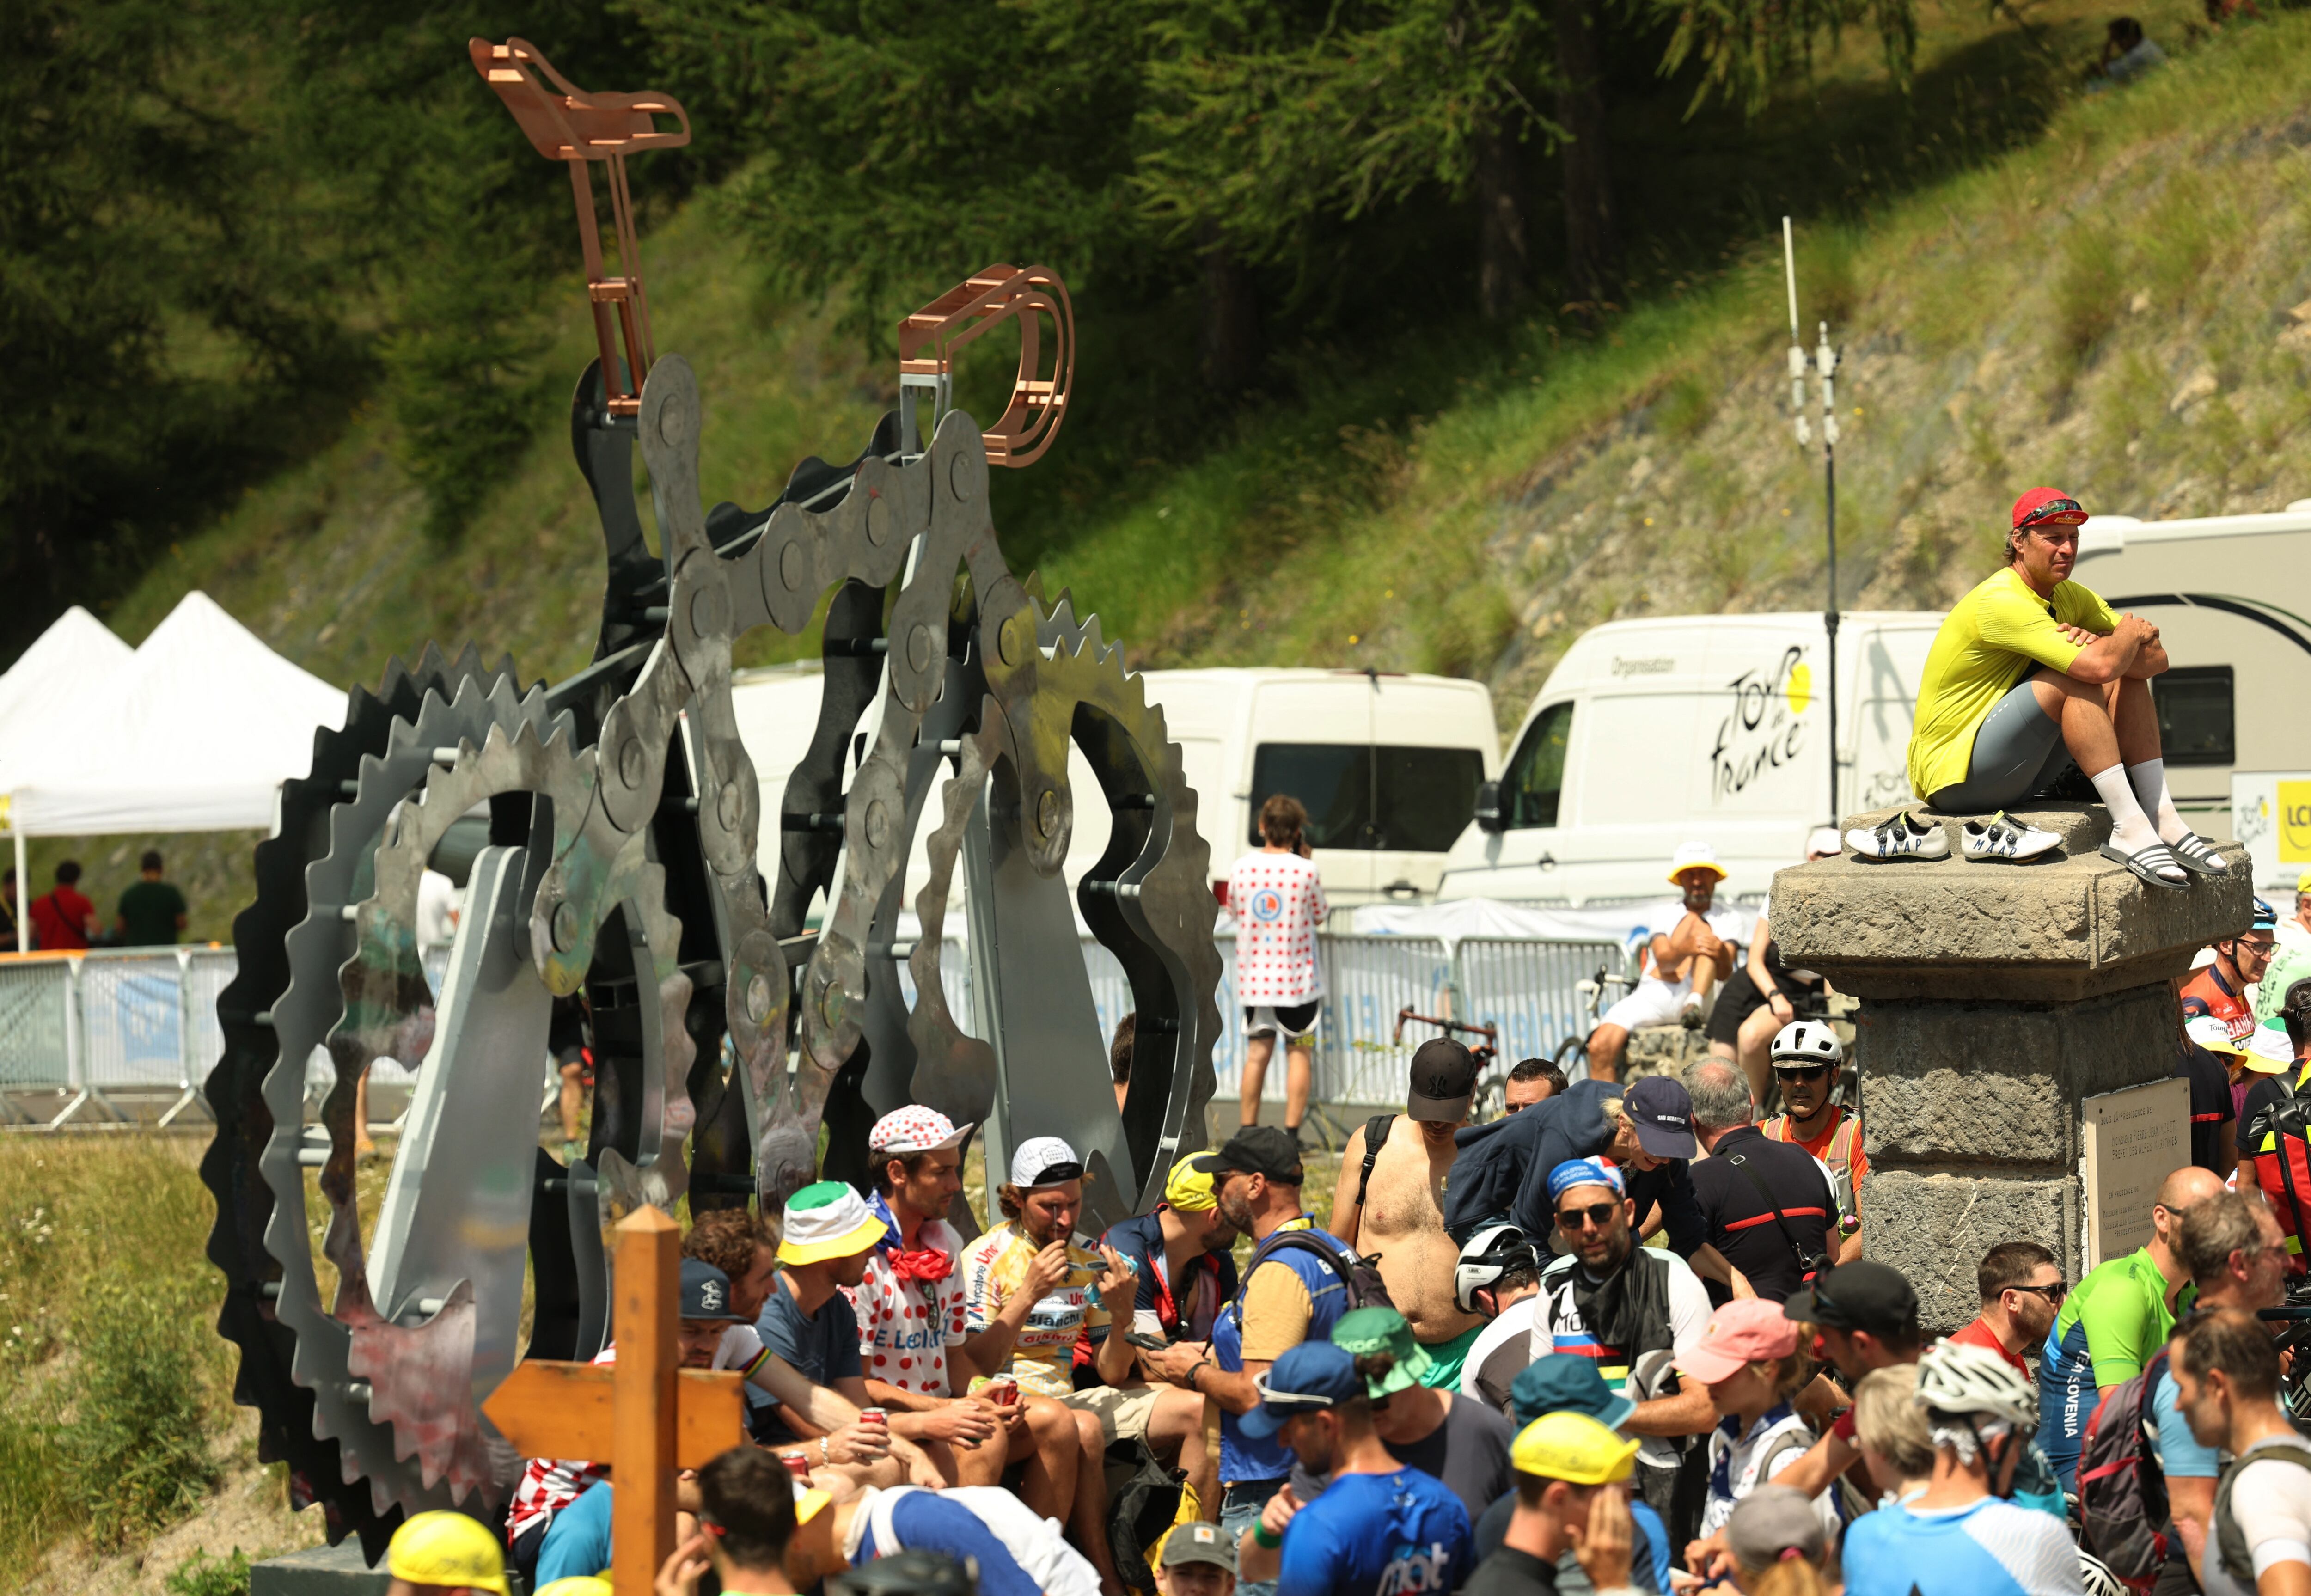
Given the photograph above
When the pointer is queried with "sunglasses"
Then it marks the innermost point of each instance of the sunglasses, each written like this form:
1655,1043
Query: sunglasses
1800,1072
1598,1214
2052,1293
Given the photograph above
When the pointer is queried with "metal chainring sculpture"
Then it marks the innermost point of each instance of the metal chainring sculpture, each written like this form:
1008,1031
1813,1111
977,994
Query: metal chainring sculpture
606,832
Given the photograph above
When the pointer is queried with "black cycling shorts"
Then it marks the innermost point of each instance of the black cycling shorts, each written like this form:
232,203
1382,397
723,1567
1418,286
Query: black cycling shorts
1736,1000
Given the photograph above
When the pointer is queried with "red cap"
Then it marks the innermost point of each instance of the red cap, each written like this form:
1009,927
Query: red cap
2048,504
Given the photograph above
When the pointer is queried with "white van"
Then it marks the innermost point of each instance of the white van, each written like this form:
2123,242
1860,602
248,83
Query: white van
1654,732
2229,595
1696,728
1389,766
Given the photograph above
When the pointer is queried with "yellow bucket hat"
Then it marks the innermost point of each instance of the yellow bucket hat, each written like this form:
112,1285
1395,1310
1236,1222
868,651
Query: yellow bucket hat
826,1220
447,1548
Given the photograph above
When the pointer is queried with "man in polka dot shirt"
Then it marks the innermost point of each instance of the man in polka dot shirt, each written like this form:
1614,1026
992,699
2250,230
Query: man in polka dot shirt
909,1305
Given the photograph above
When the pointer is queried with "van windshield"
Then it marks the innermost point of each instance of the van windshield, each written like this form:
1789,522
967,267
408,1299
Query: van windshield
1535,777
1425,796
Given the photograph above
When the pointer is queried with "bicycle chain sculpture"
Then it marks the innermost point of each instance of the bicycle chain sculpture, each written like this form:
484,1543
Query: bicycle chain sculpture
608,829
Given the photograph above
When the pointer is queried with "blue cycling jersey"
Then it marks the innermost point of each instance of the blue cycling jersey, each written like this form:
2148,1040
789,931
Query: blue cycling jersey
1989,1548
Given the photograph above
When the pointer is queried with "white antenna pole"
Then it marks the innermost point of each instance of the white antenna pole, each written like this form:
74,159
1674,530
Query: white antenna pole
1797,351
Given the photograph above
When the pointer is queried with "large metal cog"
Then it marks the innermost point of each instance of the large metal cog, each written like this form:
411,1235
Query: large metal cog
234,1090
303,1017
1145,898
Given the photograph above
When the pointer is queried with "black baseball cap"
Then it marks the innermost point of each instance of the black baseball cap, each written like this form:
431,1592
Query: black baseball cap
1663,1116
1443,1079
1267,1150
705,1291
1861,1296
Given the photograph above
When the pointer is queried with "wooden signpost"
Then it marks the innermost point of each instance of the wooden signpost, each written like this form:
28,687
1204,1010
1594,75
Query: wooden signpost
644,1415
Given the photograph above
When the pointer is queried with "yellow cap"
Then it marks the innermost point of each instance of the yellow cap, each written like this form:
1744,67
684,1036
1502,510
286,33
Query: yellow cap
447,1548
577,1585
1190,1190
2303,884
1573,1447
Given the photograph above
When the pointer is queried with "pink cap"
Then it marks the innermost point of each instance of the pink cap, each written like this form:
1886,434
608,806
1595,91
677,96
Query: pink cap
1747,1330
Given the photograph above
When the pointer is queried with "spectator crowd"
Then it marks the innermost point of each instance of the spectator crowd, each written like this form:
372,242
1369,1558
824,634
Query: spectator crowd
1622,1339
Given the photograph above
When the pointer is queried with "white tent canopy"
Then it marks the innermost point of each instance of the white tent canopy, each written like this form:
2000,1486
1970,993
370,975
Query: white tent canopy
61,681
194,732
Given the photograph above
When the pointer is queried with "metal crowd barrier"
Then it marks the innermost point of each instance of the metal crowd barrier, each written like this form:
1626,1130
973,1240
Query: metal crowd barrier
146,1019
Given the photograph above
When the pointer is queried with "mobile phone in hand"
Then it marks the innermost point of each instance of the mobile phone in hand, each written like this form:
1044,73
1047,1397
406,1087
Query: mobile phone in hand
1146,1343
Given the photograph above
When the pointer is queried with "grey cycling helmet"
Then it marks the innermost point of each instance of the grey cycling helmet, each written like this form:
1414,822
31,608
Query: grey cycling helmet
1809,1041
1957,1378
1493,1251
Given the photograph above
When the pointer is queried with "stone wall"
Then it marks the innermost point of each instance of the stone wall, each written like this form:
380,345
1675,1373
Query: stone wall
1994,997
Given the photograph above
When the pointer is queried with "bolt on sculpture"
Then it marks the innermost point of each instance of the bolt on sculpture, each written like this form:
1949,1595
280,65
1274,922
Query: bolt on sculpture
607,828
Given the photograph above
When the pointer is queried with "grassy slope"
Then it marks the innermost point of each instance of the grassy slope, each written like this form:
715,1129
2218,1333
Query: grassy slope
1472,510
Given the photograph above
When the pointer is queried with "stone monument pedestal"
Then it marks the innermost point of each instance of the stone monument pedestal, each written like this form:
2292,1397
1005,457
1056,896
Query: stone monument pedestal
1995,999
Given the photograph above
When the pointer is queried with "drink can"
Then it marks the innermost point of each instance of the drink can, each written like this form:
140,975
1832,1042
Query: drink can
875,1415
1003,1390
798,1466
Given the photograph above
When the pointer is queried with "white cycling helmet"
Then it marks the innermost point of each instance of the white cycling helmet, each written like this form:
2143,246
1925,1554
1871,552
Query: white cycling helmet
1492,1252
1811,1040
2095,1574
1957,1378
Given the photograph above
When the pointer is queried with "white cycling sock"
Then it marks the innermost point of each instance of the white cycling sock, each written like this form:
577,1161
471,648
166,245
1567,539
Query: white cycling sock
2131,830
2149,780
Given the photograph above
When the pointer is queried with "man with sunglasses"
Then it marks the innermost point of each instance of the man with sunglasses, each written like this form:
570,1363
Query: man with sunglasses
2113,1321
1807,1057
2031,673
1633,1311
2220,990
2022,1290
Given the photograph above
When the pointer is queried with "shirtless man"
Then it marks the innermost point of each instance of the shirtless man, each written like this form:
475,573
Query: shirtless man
1680,964
1396,1218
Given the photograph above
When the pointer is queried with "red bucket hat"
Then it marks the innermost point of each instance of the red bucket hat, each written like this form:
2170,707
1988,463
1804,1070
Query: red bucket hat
2041,505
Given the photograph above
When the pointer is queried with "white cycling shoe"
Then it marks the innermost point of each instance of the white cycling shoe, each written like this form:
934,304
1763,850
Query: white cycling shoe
2003,840
1902,837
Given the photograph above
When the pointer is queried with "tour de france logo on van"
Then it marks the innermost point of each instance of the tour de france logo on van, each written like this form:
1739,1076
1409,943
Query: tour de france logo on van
1267,904
1763,730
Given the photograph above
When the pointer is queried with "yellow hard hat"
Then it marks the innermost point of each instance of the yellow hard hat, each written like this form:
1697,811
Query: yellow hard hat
1573,1447
447,1548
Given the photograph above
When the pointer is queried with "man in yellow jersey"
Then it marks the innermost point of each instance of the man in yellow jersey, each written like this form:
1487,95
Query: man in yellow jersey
2032,672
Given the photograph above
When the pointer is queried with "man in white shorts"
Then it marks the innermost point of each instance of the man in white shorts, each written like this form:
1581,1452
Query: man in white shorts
2225,1370
1680,966
1278,903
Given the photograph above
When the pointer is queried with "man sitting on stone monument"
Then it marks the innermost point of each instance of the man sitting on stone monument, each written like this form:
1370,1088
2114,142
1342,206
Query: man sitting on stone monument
2030,673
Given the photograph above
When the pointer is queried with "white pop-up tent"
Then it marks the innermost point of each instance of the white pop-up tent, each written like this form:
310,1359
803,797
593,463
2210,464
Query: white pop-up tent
194,731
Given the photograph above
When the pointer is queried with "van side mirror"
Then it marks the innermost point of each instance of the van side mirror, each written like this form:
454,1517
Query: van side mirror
1488,808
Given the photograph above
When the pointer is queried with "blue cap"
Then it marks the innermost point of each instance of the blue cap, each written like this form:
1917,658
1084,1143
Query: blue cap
1568,1383
705,1292
1311,1376
1584,1171
2266,917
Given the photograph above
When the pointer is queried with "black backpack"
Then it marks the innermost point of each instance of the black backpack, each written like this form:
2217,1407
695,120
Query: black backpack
1359,1275
2123,1507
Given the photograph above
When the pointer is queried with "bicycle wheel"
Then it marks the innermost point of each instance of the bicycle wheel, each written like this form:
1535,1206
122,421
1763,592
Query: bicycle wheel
1491,1101
1572,1057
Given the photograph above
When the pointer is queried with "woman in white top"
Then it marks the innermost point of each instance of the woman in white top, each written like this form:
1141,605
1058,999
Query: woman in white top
1278,903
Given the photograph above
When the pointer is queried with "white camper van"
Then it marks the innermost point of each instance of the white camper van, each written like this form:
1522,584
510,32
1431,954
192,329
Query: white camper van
1389,766
2229,595
1711,727
1697,727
